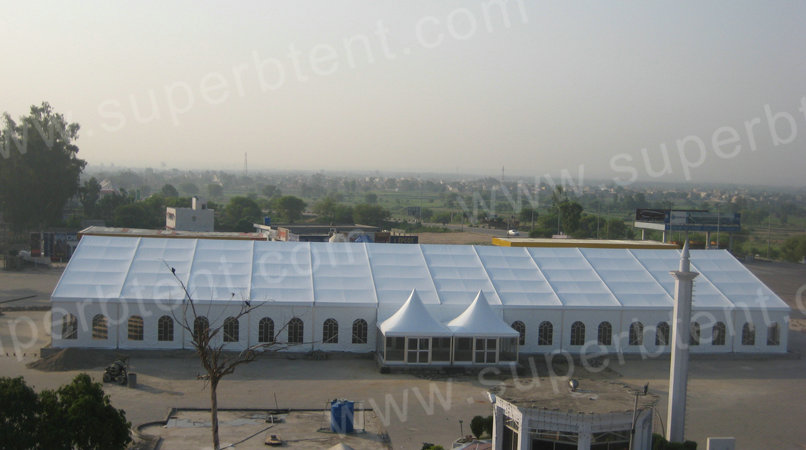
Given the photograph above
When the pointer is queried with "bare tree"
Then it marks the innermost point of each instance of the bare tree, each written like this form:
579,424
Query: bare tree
218,362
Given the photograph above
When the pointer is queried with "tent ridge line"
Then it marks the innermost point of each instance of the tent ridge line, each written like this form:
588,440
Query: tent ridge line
649,272
599,277
129,267
540,271
487,273
251,270
719,291
192,264
428,271
371,276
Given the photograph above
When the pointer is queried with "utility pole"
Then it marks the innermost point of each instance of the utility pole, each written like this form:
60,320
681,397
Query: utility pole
717,226
769,231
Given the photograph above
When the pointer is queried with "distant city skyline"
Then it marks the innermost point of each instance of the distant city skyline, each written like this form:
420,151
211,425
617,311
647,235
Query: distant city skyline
668,92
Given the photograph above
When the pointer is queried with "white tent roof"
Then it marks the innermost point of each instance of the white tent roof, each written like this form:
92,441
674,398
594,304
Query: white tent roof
412,319
367,274
479,319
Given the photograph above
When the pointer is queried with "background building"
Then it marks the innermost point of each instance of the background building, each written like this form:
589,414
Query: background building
195,218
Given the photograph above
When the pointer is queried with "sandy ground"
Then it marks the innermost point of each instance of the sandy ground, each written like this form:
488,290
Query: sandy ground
760,401
37,282
249,429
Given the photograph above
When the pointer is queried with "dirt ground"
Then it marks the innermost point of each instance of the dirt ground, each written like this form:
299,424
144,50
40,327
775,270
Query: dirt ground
249,429
758,400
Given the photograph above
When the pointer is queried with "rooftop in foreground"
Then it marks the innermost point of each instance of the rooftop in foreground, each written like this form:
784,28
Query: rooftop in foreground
590,397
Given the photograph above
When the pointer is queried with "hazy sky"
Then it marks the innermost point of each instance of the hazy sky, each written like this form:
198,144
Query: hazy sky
605,88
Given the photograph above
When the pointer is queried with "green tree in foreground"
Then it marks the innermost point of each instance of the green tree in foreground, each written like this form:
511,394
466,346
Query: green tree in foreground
477,426
39,169
77,415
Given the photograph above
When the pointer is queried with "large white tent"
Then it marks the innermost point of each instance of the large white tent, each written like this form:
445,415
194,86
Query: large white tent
119,292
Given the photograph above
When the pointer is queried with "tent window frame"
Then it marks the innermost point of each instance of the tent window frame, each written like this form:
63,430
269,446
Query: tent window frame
662,333
232,329
201,326
330,331
360,329
605,333
773,334
265,330
748,334
100,327
694,334
578,333
296,331
165,329
545,333
520,327
636,333
135,328
69,327
718,334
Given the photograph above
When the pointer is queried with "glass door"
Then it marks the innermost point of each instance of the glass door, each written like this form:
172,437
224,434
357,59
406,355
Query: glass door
485,351
418,350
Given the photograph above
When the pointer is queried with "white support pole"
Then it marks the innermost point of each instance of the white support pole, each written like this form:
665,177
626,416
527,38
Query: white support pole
678,372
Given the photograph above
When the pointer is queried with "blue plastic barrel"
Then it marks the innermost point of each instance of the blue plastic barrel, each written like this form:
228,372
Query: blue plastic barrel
341,416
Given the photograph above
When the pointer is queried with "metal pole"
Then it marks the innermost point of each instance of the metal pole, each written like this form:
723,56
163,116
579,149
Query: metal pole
717,226
632,429
769,231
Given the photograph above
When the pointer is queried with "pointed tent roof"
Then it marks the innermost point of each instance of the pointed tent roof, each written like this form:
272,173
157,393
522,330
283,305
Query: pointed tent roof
412,319
480,320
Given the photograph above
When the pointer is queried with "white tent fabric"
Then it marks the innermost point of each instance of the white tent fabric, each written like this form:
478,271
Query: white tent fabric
479,319
366,274
412,319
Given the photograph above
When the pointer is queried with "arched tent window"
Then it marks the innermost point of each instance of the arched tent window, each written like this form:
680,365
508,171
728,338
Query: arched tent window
577,333
662,334
636,333
295,331
773,335
718,334
69,327
360,331
520,327
99,327
232,329
545,333
165,329
605,336
748,334
694,338
330,332
201,326
265,330
135,328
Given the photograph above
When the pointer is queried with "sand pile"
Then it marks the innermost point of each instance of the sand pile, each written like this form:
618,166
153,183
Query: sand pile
75,359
